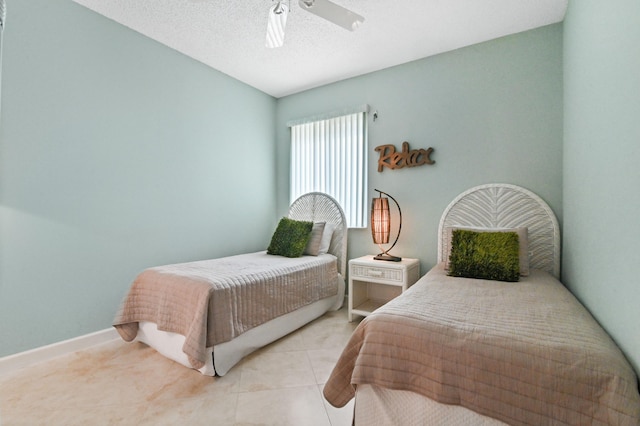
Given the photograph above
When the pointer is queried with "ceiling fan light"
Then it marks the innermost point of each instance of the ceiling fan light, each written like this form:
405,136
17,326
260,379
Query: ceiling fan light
276,24
280,8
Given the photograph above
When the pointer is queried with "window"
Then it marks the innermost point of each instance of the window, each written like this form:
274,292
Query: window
329,154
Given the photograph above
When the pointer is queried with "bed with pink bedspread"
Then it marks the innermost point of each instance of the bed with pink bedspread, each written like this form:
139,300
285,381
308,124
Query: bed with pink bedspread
454,350
209,314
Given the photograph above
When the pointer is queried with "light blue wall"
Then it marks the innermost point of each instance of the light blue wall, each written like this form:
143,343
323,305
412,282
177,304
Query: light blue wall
492,112
116,153
601,169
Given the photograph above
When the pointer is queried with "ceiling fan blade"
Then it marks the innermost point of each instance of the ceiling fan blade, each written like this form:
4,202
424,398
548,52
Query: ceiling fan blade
334,13
276,24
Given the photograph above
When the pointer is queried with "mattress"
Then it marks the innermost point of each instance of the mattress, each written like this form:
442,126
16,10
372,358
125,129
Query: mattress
524,353
379,406
220,358
214,301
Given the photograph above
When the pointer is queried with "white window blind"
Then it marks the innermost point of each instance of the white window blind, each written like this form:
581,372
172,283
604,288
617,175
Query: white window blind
330,155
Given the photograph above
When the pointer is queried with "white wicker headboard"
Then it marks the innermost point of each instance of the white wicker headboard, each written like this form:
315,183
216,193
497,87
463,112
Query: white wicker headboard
320,207
507,206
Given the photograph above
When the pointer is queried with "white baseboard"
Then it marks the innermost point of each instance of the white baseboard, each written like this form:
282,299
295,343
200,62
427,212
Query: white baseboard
11,363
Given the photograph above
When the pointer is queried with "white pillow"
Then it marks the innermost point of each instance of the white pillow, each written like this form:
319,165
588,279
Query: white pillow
523,239
313,246
327,234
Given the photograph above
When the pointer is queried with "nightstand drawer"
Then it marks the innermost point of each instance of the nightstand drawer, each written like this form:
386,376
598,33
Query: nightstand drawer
387,274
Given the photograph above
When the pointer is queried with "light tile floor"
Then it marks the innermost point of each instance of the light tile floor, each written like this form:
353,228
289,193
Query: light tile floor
280,384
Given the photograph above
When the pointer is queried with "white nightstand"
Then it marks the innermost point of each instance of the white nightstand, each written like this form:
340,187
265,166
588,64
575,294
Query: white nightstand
372,283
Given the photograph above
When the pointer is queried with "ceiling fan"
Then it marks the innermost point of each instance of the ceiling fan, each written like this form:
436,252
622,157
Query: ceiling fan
323,8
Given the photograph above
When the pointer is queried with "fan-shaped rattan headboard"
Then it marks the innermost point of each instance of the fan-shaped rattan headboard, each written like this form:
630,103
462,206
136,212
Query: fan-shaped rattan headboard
320,207
507,206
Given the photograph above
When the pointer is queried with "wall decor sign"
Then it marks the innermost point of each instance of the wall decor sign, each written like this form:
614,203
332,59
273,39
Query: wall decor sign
393,159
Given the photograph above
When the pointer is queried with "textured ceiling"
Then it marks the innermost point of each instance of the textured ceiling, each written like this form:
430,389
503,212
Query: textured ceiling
229,35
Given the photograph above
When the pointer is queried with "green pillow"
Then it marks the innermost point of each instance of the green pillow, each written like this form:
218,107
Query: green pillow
290,238
485,255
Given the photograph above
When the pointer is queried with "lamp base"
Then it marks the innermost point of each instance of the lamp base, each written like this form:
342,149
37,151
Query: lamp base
387,257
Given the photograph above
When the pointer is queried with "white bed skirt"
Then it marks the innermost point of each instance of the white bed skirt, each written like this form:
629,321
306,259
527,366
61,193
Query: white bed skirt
381,406
222,357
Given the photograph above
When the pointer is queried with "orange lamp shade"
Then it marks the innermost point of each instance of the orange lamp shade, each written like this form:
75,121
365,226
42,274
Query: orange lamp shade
380,220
